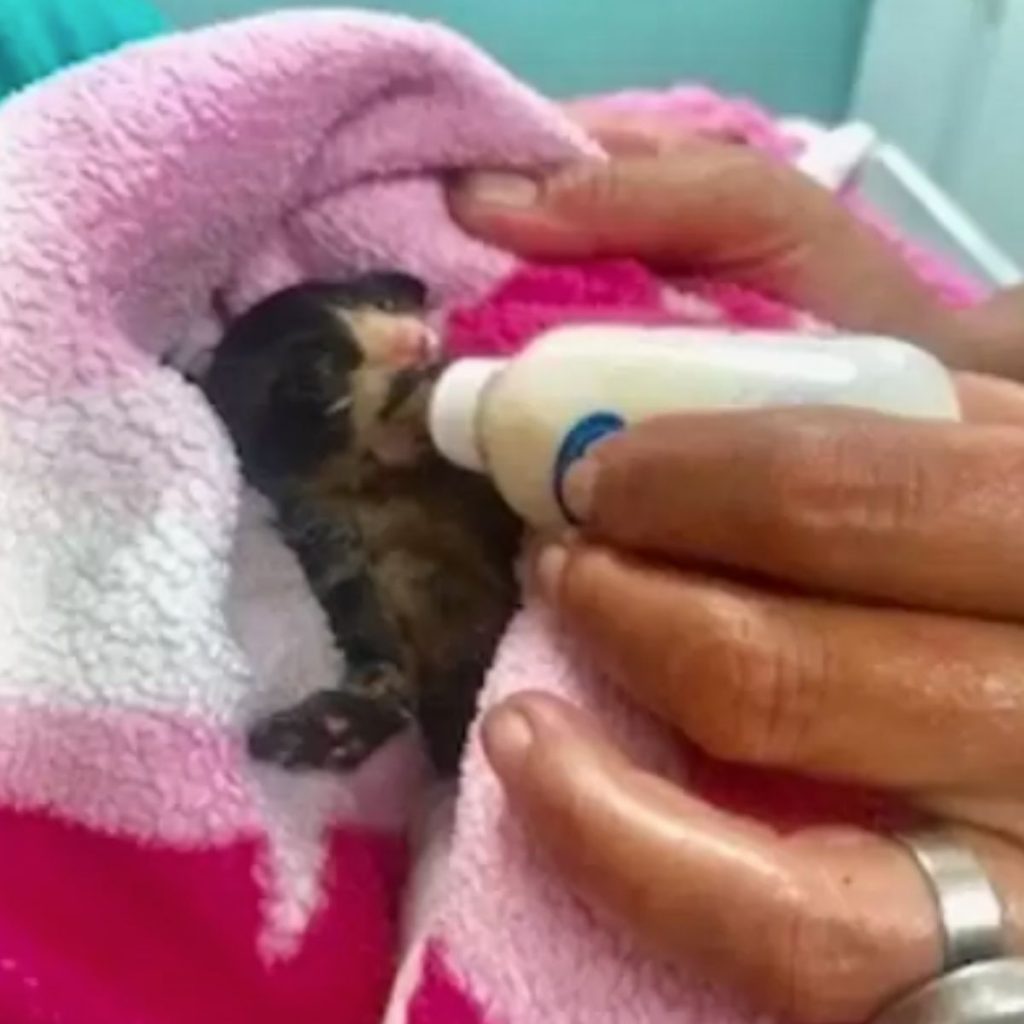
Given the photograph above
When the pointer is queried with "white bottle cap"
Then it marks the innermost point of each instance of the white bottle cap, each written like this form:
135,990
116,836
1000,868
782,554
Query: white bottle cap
454,407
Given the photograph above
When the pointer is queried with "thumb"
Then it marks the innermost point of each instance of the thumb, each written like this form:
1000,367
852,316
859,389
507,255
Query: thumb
705,886
704,203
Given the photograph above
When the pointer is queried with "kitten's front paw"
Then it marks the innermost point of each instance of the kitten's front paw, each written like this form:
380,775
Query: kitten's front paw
333,730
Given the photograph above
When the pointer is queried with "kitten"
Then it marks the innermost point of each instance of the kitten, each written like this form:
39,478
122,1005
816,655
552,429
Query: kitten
324,389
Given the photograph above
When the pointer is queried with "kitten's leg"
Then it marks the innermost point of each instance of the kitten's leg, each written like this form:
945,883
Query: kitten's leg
338,728
334,730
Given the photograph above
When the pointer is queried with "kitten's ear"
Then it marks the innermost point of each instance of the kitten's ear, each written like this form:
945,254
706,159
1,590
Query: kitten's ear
411,290
392,289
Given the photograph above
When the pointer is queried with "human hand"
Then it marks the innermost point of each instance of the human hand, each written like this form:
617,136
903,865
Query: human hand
835,594
687,204
850,508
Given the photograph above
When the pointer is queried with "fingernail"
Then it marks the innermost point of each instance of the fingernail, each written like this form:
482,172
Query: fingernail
508,736
578,488
501,188
549,568
534,546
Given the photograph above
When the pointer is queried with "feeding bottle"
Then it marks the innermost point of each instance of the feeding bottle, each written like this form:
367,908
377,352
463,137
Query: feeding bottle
525,420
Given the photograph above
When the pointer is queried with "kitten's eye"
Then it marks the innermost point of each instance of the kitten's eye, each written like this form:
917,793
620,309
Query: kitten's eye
390,304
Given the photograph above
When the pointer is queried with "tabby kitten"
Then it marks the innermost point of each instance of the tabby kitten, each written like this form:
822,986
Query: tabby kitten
324,389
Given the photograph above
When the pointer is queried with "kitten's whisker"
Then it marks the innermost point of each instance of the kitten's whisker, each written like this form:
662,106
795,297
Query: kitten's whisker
342,404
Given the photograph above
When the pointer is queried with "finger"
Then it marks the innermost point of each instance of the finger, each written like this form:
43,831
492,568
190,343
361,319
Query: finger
630,134
988,337
925,514
986,399
708,203
722,209
849,917
926,704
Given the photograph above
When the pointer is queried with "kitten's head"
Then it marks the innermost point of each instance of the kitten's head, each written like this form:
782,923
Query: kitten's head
328,368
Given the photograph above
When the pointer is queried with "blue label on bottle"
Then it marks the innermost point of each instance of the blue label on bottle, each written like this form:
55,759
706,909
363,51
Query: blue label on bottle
583,436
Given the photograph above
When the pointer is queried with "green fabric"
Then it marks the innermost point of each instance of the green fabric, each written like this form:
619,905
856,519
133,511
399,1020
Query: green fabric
38,37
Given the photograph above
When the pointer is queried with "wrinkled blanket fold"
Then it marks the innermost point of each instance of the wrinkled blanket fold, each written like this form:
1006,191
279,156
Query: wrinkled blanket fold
146,611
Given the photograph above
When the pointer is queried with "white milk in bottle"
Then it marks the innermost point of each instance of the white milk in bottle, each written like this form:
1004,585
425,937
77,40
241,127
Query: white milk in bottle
524,421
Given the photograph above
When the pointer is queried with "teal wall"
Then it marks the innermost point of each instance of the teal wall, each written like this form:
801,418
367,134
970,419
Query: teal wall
39,37
799,56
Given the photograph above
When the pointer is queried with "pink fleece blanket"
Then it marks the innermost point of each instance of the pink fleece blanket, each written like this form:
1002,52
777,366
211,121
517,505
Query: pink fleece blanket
151,874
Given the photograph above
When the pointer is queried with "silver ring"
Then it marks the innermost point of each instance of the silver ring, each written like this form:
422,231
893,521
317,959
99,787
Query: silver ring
989,992
981,982
970,913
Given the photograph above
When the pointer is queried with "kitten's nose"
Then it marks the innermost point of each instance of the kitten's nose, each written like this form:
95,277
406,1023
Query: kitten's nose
411,342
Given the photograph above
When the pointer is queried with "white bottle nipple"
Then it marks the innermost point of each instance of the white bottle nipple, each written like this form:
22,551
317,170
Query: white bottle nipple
454,409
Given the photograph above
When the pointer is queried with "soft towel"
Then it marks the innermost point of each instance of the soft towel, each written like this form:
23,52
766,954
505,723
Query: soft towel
150,873
492,936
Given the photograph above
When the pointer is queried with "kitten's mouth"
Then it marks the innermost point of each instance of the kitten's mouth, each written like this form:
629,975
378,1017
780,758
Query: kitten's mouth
400,437
412,382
